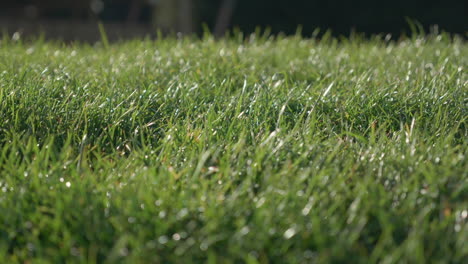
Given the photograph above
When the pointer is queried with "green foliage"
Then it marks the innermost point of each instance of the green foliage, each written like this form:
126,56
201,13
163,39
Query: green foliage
265,150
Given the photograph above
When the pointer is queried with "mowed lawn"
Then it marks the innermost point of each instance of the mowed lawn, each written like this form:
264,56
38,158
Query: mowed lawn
248,150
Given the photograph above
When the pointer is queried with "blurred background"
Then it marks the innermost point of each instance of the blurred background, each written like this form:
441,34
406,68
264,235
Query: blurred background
71,20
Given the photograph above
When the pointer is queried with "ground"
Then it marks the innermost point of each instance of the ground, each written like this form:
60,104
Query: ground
252,149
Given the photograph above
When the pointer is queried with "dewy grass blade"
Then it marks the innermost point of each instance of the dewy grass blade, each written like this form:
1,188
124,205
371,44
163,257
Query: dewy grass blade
277,149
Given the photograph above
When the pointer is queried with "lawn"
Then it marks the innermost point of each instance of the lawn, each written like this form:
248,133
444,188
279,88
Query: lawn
251,149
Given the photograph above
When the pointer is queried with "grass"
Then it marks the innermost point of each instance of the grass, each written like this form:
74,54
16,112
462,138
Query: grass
264,150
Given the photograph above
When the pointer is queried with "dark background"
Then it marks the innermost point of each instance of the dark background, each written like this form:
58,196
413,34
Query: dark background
131,18
362,15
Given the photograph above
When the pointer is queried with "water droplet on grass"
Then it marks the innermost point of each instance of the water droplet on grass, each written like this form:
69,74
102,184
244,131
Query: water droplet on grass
204,246
176,237
464,214
244,231
182,213
163,240
289,233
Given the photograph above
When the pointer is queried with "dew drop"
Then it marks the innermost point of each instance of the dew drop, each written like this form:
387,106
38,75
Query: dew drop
289,233
163,239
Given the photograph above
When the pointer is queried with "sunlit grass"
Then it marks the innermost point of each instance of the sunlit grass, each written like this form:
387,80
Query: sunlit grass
265,150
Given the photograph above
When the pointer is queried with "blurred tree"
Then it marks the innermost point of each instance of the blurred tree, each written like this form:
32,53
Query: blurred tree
173,16
185,16
165,15
223,20
63,8
134,11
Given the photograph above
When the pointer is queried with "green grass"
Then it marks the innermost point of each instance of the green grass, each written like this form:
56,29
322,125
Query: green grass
268,150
